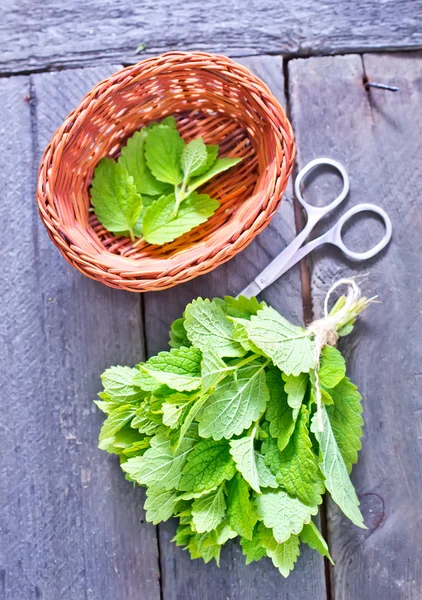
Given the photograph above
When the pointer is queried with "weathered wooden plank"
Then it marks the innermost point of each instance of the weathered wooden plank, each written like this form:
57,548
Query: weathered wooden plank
71,526
183,578
377,136
56,34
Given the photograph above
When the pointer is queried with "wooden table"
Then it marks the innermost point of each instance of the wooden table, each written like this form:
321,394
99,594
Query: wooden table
71,526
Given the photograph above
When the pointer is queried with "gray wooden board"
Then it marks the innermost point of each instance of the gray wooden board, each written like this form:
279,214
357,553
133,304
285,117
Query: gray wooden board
377,136
181,577
54,33
71,526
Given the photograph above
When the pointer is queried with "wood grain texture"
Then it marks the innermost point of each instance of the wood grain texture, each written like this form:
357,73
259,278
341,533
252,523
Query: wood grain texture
377,136
181,577
71,525
54,34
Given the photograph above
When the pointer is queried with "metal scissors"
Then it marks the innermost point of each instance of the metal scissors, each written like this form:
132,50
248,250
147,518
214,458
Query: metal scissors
295,251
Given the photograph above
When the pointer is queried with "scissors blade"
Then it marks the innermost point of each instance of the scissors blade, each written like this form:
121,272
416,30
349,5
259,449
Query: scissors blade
250,290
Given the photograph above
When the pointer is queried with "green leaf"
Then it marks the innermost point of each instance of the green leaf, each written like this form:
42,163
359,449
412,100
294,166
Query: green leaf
106,406
180,369
213,370
224,532
163,151
161,465
295,388
208,327
240,307
212,153
161,226
133,160
145,420
346,420
114,197
194,495
175,409
205,546
332,367
243,453
283,514
220,165
279,413
271,454
119,385
114,422
288,346
265,477
285,555
159,504
183,535
123,439
208,465
299,471
253,549
235,404
208,511
240,511
178,335
311,535
335,471
194,157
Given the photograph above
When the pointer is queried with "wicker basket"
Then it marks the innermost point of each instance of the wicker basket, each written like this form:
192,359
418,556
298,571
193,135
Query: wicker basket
210,96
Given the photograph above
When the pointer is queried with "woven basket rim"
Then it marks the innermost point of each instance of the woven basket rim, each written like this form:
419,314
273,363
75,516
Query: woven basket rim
79,243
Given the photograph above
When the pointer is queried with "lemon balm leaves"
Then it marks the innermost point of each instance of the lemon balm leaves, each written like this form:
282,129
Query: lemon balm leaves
114,197
335,472
311,535
241,511
225,440
284,555
220,165
332,367
133,160
208,511
159,504
163,152
160,225
149,191
119,385
299,472
243,452
194,158
161,466
180,369
345,415
283,514
288,346
295,387
279,414
235,404
208,465
207,326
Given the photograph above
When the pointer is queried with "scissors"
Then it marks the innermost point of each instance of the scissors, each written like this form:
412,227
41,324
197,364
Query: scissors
295,251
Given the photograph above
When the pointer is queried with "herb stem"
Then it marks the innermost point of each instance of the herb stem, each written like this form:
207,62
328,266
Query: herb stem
180,195
245,361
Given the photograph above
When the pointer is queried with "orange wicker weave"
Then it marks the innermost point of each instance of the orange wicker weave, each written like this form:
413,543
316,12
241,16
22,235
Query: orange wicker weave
210,96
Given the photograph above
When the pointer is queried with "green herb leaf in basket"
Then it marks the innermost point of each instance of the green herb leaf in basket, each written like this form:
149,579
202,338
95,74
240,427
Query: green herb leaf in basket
240,438
150,191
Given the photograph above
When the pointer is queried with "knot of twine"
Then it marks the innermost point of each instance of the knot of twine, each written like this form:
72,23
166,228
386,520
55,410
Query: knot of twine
325,332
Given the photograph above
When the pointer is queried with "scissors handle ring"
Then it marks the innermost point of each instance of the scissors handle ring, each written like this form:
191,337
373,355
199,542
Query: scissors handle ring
337,231
310,167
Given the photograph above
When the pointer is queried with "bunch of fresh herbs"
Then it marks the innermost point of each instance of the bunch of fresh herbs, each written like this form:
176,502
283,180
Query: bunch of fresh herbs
222,430
150,191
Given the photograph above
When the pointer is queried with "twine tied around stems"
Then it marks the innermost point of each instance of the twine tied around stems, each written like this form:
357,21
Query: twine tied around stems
326,330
